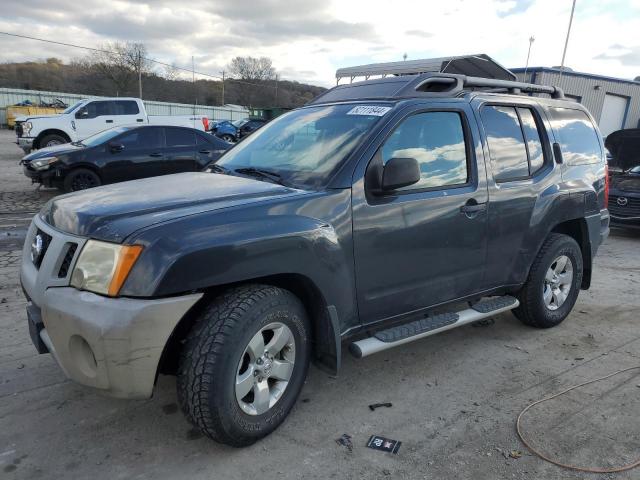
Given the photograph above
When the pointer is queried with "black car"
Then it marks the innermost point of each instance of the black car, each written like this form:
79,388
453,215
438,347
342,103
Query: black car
624,170
250,126
123,153
381,213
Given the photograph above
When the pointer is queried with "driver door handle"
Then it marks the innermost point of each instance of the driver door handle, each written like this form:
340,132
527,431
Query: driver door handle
155,154
472,208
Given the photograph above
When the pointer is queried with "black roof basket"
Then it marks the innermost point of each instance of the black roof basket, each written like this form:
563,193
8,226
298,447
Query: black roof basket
450,84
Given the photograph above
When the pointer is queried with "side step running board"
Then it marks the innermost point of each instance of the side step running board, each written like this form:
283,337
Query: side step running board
425,327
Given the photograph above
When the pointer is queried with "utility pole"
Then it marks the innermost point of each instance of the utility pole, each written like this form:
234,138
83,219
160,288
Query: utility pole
140,74
276,101
526,66
193,81
222,88
566,42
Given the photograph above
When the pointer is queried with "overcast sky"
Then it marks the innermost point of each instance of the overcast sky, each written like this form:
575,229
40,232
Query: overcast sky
308,39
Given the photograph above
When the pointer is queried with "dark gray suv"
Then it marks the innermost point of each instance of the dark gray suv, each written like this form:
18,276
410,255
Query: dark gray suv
381,213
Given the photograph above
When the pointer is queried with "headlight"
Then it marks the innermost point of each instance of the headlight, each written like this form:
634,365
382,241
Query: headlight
103,267
26,127
43,163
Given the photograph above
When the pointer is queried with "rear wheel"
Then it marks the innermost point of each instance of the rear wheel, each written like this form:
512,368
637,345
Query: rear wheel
553,284
81,179
244,363
228,138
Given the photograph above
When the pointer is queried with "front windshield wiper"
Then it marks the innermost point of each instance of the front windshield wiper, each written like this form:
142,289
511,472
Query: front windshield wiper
214,167
262,173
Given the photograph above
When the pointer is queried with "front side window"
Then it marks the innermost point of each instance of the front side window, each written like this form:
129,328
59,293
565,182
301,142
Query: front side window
99,109
436,140
142,138
578,138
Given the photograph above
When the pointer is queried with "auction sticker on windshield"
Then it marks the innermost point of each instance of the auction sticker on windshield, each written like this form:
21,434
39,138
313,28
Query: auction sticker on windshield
369,110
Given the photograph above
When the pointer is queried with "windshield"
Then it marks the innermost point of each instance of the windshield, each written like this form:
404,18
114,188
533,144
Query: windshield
103,136
72,107
305,147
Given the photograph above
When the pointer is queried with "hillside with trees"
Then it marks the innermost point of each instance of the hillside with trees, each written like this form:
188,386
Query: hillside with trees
114,71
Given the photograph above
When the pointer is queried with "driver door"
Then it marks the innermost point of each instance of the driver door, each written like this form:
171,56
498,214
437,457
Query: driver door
422,245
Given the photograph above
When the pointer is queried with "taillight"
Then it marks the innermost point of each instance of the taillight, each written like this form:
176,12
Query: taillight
606,186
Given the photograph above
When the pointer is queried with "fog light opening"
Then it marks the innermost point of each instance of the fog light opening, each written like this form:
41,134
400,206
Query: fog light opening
82,356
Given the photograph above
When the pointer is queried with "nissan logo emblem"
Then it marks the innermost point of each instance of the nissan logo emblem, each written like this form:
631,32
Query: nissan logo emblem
622,201
36,248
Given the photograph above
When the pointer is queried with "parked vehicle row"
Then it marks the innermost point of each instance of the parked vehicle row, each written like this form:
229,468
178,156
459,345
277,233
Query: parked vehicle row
89,117
123,153
237,130
382,212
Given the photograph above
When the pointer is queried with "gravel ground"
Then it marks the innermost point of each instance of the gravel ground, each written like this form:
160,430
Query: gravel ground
455,396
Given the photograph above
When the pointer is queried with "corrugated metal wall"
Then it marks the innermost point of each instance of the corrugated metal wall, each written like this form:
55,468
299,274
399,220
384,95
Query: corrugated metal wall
584,87
11,96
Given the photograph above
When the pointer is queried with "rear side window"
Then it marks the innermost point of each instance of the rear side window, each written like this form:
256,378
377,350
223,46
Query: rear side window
126,107
436,140
578,138
515,145
180,137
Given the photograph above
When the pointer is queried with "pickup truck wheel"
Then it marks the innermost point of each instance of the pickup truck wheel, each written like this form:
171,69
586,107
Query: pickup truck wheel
553,284
244,363
52,140
81,179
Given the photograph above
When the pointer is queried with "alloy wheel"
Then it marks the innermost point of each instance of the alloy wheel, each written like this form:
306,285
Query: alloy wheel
557,282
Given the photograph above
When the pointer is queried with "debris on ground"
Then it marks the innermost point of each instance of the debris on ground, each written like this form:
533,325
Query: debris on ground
515,453
345,441
515,347
373,406
385,444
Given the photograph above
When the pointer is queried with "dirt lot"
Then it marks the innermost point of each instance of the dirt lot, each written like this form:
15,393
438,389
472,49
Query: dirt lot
455,396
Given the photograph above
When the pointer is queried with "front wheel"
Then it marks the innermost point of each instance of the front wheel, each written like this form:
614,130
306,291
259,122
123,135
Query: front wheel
228,138
244,363
81,179
553,284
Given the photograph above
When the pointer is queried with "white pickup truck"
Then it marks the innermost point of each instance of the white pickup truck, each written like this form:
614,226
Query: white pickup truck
91,116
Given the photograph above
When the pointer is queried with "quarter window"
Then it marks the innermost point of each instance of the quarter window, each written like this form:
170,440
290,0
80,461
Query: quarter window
436,140
578,138
532,136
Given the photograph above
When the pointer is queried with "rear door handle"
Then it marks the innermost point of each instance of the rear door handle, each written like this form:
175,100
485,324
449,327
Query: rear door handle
557,152
139,120
109,121
205,151
155,154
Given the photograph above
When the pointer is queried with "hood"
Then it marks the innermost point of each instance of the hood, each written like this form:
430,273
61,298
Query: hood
113,212
27,118
624,146
52,151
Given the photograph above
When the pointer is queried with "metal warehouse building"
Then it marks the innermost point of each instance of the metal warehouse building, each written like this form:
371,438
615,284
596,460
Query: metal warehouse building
614,102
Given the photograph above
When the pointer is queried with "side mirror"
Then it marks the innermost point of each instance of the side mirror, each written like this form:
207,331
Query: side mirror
400,172
82,113
115,147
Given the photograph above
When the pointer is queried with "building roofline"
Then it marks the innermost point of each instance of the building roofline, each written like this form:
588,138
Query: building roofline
573,72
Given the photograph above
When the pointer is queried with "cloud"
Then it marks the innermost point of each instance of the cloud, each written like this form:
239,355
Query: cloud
513,7
626,56
419,33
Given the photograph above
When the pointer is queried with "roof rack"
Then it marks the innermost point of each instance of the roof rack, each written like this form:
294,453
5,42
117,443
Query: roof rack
451,84
429,85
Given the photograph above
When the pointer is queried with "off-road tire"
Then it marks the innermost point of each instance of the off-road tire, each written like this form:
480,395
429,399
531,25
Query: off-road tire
72,181
52,137
210,357
532,310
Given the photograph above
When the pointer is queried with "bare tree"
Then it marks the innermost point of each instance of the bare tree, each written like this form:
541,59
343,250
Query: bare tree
171,72
123,64
251,68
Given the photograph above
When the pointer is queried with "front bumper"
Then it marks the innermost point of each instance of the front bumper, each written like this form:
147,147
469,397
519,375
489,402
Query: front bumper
49,178
111,344
25,143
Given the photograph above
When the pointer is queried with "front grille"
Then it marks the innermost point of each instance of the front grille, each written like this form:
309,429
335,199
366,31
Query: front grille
18,127
39,247
66,261
631,209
